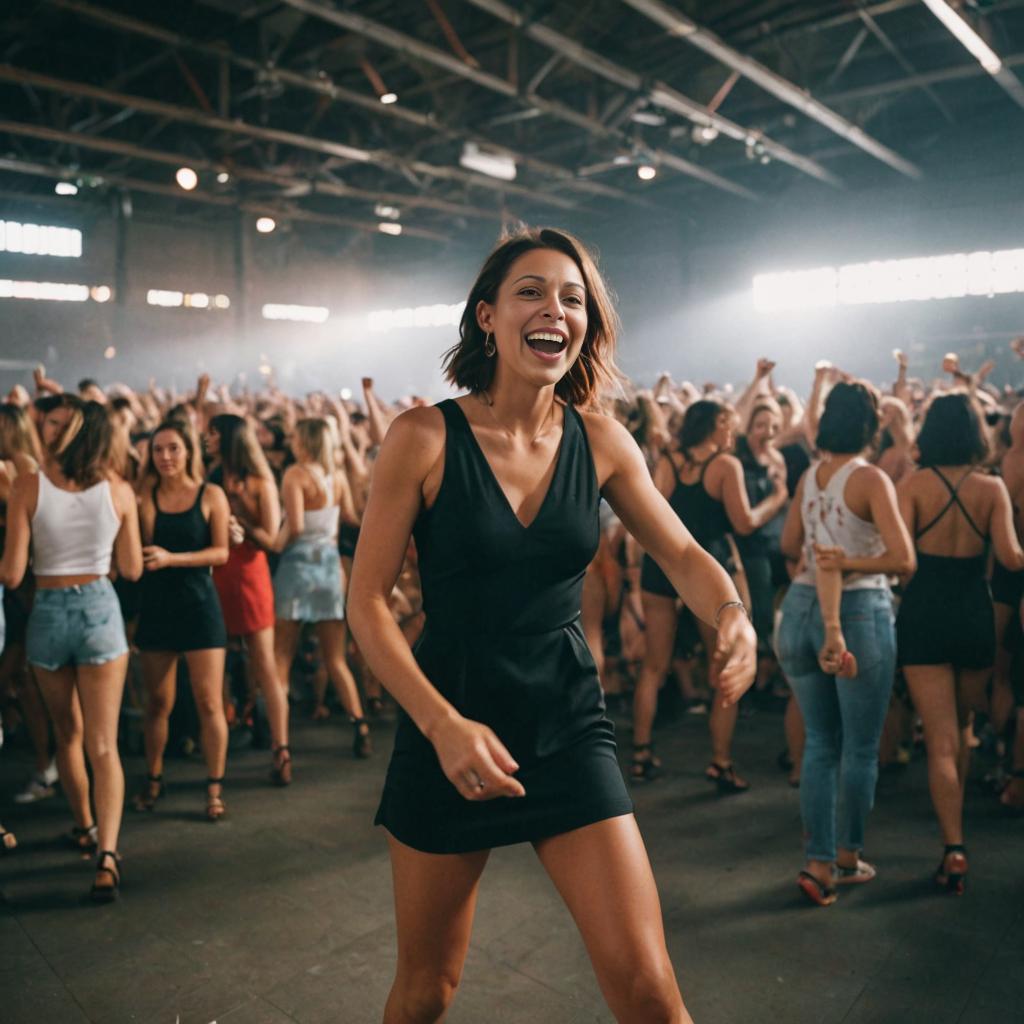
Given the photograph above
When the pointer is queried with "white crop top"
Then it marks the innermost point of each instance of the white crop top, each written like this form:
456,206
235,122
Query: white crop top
829,522
73,531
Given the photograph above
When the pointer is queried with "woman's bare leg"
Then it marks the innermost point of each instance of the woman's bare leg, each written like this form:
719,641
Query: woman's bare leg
32,708
660,617
721,721
61,699
603,874
100,688
333,636
206,670
435,898
160,671
933,689
273,685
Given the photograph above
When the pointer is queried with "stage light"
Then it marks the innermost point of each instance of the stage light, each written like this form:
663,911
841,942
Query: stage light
389,228
386,212
645,172
389,98
346,394
101,293
66,188
198,300
159,297
264,225
966,35
186,178
298,314
704,134
223,178
438,315
221,301
109,352
920,279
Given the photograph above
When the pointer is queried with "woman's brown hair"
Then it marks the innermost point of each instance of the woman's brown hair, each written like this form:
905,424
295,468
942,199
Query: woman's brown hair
193,455
82,450
466,365
240,452
317,440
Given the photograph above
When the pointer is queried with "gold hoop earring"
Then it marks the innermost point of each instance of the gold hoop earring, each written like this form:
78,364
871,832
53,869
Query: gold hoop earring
489,347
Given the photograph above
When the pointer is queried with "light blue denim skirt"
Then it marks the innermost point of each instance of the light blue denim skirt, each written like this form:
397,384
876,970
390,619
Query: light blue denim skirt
307,582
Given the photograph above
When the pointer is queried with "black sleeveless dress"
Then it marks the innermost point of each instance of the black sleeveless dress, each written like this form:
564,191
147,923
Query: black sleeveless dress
503,643
179,609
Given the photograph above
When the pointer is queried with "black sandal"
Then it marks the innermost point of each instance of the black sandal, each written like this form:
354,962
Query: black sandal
362,744
644,769
8,841
215,806
725,777
281,772
107,893
146,800
955,880
85,840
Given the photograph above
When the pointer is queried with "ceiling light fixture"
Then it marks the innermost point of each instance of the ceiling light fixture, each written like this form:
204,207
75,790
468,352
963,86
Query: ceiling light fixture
186,178
384,94
493,164
264,225
387,227
223,178
646,172
66,188
389,97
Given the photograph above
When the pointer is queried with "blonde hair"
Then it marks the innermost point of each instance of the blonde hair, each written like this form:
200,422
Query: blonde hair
317,440
16,434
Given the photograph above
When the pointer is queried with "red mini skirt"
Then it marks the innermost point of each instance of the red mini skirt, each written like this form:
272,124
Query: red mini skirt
245,591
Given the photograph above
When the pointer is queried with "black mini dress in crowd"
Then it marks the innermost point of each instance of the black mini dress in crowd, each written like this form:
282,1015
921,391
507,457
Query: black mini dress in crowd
179,607
503,643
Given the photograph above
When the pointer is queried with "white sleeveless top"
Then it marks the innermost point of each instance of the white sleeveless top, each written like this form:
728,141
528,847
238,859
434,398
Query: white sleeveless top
73,532
829,522
320,524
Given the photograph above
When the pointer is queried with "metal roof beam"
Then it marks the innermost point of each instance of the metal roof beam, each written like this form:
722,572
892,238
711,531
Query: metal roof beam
387,36
236,126
687,30
658,93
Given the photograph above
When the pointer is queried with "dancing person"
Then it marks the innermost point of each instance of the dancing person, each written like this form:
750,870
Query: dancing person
844,517
502,736
185,531
704,487
8,840
945,629
243,582
19,454
74,513
307,582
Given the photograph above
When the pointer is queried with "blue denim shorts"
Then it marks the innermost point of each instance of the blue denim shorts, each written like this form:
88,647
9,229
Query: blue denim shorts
78,625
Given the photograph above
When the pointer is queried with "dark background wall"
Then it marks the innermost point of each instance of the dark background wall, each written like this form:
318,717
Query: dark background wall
682,278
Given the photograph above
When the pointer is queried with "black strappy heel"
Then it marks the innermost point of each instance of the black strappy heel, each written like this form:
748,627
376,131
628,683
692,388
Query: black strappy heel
725,777
644,769
281,772
146,800
953,879
107,893
215,806
362,744
85,840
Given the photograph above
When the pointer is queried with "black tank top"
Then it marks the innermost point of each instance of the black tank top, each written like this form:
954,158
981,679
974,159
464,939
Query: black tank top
703,516
177,532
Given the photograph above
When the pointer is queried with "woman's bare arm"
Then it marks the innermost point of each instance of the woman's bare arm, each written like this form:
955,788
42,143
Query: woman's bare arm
128,543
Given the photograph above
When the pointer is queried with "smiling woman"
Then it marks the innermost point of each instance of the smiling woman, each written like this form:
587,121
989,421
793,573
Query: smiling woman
503,736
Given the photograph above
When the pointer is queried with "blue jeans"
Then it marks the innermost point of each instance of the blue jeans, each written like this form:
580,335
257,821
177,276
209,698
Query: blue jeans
843,717
79,625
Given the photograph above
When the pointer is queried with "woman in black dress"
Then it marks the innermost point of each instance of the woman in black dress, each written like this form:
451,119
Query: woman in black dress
185,529
502,737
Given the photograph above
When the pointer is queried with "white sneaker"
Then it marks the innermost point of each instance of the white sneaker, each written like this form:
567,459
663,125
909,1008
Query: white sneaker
37,789
50,776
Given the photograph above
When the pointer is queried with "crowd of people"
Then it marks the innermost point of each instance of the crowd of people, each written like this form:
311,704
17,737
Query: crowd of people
872,534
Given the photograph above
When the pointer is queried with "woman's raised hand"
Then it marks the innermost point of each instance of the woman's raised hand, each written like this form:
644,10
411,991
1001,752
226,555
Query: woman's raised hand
475,761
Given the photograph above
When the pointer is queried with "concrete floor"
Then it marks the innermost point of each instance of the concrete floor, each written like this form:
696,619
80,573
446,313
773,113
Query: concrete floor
282,912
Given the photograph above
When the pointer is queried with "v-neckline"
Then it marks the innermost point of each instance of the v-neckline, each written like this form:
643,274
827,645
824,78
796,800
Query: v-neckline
525,527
